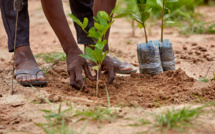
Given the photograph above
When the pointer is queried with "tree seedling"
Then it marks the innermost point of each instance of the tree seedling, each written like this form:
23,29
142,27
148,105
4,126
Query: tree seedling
162,5
140,16
103,21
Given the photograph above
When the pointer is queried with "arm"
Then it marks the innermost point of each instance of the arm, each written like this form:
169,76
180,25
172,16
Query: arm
53,10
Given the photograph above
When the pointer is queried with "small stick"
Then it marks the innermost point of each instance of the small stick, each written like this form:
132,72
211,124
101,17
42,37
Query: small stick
208,70
17,17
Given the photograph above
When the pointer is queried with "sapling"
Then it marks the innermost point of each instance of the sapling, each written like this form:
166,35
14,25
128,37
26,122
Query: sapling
140,16
103,21
162,5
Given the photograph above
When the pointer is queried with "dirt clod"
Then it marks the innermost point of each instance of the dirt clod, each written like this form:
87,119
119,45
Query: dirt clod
54,98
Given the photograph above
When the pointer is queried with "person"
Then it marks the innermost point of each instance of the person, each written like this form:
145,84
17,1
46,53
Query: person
27,71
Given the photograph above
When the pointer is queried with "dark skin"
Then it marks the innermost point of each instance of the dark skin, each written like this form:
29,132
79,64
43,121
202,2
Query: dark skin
53,10
25,61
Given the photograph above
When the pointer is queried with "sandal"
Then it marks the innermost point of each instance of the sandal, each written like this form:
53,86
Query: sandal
31,83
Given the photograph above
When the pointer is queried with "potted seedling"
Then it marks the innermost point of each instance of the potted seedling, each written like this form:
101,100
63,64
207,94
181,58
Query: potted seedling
165,46
148,52
103,21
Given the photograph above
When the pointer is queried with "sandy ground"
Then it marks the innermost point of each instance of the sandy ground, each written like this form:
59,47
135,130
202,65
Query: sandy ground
194,55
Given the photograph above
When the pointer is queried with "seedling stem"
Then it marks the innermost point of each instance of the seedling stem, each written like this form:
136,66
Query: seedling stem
145,32
162,25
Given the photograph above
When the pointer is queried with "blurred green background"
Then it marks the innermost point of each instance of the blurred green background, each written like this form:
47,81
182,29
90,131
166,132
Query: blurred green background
183,13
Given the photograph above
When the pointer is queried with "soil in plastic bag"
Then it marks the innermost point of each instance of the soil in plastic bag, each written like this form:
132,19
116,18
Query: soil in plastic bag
166,55
149,58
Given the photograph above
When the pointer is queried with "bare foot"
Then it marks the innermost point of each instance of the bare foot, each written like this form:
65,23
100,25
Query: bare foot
25,61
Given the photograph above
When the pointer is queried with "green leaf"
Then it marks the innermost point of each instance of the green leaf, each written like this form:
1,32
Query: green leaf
169,11
103,57
85,23
123,15
76,20
170,22
145,16
98,26
85,56
159,2
97,55
150,10
136,18
92,33
95,67
95,19
104,15
89,52
112,12
141,7
141,1
171,0
140,26
101,20
100,44
106,28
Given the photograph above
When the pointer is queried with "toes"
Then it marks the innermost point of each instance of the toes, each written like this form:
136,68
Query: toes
19,78
40,76
33,78
28,77
24,78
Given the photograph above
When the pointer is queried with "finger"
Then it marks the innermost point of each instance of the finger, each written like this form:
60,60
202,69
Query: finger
88,73
72,81
111,75
79,79
24,78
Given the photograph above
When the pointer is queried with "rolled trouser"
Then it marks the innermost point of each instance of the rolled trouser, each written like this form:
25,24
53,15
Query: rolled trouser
9,20
82,9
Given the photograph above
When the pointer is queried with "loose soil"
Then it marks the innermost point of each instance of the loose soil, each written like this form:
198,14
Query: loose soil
194,55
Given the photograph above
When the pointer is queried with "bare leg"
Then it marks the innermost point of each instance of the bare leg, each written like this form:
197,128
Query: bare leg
24,58
25,61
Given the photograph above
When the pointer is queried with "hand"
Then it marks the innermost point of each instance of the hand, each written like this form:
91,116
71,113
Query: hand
109,67
75,65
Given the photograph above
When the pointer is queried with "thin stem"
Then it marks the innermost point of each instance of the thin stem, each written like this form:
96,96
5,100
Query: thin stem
97,82
108,98
14,59
133,28
162,25
145,32
88,34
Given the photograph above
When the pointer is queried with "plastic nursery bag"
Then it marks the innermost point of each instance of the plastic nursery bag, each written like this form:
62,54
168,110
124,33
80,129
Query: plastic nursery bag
167,55
149,58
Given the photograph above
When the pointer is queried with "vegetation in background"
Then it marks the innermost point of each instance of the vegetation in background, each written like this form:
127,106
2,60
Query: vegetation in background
124,6
182,13
52,57
140,16
97,33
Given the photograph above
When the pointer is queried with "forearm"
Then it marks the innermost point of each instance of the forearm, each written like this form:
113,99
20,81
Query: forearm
53,10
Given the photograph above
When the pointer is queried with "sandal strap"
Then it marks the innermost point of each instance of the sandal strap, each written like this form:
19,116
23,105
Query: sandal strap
32,72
